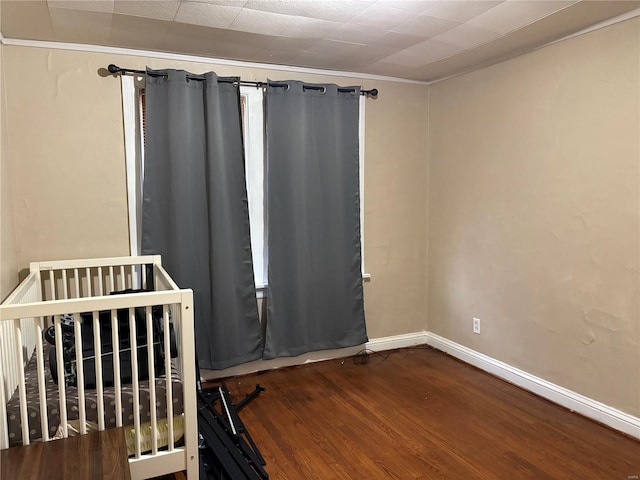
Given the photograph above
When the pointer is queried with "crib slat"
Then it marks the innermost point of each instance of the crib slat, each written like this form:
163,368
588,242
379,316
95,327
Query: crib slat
100,286
76,281
122,278
87,272
80,374
4,427
144,276
65,290
24,415
8,358
42,386
97,348
111,280
167,370
116,366
52,283
134,276
62,393
152,382
134,372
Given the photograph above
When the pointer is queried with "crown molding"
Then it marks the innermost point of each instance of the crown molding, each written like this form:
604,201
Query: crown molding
197,59
606,23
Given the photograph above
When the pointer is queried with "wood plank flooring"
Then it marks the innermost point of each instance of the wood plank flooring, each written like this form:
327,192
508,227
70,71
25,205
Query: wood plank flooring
96,455
420,414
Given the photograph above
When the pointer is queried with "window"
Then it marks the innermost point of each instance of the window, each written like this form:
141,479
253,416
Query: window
133,113
253,130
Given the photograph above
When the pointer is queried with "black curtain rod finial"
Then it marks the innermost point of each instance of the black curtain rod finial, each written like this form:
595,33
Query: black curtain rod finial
113,68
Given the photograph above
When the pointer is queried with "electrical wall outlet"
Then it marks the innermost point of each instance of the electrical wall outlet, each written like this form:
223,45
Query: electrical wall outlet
476,325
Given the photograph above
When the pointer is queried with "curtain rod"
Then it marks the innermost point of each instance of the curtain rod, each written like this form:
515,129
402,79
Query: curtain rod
113,69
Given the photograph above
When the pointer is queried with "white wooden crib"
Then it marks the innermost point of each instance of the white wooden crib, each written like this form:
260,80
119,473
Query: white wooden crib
166,439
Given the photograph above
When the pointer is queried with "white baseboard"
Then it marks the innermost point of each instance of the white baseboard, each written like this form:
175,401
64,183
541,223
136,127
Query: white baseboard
376,344
573,401
397,341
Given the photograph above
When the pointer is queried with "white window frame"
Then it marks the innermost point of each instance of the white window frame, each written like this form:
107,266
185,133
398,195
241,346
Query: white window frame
255,167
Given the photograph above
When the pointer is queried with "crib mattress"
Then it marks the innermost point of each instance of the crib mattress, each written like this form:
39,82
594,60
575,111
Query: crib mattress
33,402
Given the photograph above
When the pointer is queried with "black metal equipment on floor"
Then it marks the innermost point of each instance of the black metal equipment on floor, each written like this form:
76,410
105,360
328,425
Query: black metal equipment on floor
227,451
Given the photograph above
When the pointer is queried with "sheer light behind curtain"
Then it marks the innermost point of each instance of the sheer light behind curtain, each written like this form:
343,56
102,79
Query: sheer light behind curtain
315,295
195,210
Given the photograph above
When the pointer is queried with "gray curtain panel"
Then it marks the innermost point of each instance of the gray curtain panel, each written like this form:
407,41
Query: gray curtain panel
315,298
195,211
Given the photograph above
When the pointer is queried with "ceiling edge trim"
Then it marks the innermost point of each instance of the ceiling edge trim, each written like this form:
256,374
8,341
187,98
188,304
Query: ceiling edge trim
197,59
606,23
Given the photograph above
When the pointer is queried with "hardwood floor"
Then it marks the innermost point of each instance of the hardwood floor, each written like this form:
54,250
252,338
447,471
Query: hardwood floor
420,414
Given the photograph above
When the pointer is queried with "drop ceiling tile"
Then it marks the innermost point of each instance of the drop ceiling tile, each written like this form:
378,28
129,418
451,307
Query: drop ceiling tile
105,6
423,53
385,68
280,25
315,60
425,26
512,15
179,31
405,59
222,3
80,26
382,16
334,10
363,57
137,32
466,36
279,57
26,20
461,11
350,32
206,14
397,40
310,28
416,6
234,52
291,43
286,7
338,49
157,9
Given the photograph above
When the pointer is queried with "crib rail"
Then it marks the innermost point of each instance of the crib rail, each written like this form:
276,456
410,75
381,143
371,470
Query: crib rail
15,348
81,289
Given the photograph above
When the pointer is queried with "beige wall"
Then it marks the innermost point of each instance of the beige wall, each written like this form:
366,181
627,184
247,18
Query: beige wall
8,254
67,160
533,197
534,213
66,155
